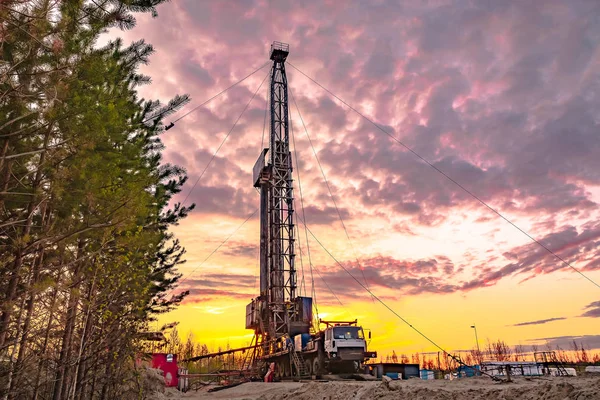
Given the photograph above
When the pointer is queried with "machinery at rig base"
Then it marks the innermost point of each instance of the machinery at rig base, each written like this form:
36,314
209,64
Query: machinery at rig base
281,320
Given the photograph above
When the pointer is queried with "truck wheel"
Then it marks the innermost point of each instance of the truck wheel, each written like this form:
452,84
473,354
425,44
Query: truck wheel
279,370
316,369
308,365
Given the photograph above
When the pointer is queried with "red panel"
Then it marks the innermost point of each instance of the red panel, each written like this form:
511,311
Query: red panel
168,364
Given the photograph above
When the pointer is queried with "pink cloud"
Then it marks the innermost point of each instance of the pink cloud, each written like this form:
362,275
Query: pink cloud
492,93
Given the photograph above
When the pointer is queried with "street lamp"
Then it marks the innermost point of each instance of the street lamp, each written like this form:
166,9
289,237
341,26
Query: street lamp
477,341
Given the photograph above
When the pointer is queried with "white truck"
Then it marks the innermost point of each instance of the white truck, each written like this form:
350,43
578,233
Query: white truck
340,348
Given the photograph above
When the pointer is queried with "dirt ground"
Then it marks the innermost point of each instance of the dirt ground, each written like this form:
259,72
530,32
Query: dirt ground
543,388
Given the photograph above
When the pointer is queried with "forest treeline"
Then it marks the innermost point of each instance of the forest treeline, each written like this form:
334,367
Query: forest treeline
499,350
86,257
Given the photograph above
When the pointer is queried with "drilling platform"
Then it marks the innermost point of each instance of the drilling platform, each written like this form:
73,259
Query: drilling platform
282,321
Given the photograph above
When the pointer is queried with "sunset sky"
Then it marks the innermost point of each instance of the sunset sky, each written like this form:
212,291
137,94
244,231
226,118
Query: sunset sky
502,96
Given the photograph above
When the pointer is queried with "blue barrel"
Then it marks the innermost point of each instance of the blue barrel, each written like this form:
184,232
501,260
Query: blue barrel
305,339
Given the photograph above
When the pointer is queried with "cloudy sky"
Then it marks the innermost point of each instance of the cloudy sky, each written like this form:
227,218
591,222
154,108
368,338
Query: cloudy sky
501,96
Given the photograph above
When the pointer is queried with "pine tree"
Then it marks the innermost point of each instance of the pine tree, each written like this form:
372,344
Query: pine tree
86,257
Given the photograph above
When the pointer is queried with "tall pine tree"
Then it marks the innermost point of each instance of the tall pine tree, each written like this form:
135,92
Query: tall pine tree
86,257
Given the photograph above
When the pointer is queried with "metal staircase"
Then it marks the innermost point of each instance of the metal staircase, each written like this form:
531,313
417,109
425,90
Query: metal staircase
300,364
560,368
549,360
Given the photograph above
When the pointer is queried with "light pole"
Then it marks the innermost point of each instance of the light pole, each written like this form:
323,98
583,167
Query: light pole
477,341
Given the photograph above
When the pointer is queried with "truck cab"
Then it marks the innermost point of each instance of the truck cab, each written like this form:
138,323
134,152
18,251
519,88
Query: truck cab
344,344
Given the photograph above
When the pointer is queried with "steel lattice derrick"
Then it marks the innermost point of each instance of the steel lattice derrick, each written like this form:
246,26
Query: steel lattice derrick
277,312
282,272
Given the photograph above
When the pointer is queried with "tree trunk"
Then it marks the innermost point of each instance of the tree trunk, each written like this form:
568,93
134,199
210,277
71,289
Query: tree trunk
14,277
24,78
63,371
5,178
80,370
44,347
9,380
37,265
26,324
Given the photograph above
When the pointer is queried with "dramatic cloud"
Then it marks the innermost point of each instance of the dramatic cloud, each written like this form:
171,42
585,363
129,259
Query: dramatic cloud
593,310
531,260
566,342
241,249
220,286
496,105
539,322
323,216
385,273
221,280
440,275
205,295
506,106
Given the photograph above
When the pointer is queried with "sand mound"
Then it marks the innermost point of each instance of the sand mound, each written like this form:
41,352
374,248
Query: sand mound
468,389
546,388
153,386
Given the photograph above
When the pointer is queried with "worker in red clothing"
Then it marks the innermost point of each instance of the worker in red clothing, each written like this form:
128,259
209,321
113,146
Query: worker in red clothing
270,373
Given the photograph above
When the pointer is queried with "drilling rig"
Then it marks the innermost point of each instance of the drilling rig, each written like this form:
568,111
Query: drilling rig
281,320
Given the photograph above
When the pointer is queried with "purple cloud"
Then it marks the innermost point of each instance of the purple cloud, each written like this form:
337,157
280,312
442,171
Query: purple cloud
589,342
593,310
539,322
505,105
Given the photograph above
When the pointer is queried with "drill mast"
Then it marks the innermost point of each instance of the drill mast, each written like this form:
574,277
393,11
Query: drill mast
277,311
282,273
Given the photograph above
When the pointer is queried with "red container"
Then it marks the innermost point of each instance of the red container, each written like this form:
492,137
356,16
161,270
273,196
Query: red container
168,364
